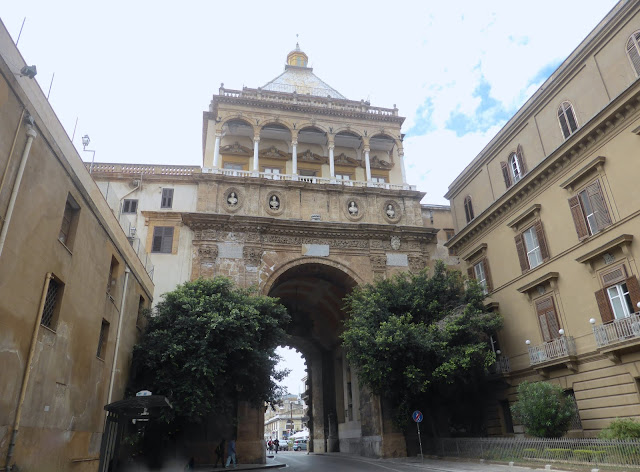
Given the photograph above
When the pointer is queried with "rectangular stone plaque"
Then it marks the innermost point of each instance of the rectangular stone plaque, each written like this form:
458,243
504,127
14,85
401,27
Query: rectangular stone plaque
317,250
397,260
229,251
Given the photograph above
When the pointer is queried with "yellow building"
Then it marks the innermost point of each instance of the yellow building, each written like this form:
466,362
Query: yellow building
71,288
547,219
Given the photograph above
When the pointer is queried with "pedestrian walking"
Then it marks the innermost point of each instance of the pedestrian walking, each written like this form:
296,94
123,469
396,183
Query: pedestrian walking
231,453
220,454
276,444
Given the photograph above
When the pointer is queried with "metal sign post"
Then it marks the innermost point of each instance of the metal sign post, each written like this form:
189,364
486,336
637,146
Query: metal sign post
417,417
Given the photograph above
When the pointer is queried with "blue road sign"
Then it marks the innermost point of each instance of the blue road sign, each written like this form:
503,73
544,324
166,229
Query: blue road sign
417,416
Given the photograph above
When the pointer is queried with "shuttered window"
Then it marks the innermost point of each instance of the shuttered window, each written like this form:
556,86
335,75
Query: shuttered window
129,206
567,119
162,239
531,246
633,51
546,311
620,298
589,210
468,208
167,198
480,272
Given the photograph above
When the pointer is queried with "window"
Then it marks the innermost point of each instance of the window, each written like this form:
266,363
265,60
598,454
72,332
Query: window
532,248
378,179
620,295
344,177
546,311
129,206
69,222
480,272
468,208
633,51
162,239
113,275
167,198
514,168
589,211
308,173
449,233
102,340
271,170
567,119
232,166
52,304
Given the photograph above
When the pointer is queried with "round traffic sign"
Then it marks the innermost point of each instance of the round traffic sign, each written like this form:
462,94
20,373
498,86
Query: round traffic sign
417,416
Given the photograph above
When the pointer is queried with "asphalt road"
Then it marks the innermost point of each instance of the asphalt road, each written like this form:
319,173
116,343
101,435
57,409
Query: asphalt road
300,461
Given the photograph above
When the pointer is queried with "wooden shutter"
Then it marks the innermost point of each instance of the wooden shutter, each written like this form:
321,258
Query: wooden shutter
167,240
549,325
606,313
634,292
505,174
470,273
487,275
594,192
578,217
523,164
522,253
157,239
542,241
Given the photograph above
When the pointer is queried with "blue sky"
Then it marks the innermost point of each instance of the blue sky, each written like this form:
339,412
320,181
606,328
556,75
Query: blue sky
138,75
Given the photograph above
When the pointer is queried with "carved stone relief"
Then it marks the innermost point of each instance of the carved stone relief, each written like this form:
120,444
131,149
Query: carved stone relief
232,199
378,262
252,255
417,263
353,208
392,211
274,203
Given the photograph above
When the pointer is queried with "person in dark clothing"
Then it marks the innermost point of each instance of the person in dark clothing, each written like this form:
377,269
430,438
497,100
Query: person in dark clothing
220,454
231,453
276,443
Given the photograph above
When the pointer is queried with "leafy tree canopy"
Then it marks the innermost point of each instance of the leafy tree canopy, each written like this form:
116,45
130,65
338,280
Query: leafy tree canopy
414,336
544,409
208,344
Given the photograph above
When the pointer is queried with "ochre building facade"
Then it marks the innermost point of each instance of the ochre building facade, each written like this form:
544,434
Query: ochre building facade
547,219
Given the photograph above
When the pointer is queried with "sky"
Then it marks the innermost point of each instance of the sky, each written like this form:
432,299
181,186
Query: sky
136,76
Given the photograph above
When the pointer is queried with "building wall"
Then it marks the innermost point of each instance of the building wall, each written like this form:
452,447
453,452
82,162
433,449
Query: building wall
602,372
68,383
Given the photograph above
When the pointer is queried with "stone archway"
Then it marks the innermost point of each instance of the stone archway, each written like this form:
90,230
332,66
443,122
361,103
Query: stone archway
313,293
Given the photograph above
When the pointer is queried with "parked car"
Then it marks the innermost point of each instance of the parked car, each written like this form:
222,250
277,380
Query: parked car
300,445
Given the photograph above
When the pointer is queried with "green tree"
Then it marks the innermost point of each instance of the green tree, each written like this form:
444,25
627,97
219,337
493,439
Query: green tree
544,409
621,428
209,344
414,338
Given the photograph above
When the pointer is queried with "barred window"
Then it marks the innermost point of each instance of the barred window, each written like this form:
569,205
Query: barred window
51,304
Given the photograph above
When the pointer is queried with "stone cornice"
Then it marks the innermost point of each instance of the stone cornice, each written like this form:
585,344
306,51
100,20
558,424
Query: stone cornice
305,109
317,229
616,114
622,240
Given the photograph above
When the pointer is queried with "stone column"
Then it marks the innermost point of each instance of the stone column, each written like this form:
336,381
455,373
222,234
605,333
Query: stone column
332,169
256,164
402,169
294,156
367,164
216,152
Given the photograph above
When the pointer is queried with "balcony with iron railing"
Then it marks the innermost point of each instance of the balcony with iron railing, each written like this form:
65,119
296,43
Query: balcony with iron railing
558,352
502,366
617,336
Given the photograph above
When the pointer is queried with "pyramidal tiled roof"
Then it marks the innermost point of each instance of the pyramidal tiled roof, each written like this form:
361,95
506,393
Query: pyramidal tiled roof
301,79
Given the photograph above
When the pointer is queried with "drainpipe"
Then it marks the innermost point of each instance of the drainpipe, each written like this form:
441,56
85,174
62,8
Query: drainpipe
31,134
127,271
13,146
27,372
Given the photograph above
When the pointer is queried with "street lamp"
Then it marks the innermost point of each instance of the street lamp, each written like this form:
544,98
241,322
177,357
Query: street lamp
85,142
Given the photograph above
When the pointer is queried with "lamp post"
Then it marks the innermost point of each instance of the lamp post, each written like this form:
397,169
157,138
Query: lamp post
85,143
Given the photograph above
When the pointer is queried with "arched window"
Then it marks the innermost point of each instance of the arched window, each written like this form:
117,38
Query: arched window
567,119
468,208
633,51
515,167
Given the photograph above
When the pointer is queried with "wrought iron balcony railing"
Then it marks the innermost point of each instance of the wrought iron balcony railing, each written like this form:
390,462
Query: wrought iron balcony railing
502,366
556,349
617,330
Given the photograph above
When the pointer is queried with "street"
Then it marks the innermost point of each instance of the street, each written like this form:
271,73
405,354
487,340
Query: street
302,462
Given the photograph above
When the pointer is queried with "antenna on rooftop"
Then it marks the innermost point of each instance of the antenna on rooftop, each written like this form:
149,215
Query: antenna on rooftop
20,33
